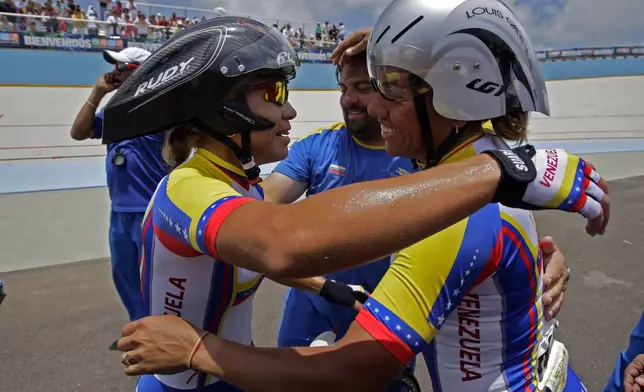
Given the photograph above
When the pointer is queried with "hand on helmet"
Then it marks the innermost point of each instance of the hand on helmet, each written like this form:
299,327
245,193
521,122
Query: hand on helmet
553,179
355,43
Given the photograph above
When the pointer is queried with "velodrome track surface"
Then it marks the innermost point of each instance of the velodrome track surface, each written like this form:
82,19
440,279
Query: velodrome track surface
62,311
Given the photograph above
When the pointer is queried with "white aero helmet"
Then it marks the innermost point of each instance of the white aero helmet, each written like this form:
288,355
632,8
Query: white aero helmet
474,54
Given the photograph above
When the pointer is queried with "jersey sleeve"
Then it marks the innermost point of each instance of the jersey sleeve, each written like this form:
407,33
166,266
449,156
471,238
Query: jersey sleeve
427,281
297,165
188,212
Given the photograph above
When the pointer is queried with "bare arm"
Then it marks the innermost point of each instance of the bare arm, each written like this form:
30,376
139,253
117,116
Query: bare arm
355,363
355,224
281,189
83,126
313,285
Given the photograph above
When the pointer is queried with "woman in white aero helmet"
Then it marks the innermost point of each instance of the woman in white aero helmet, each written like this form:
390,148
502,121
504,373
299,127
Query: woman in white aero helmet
443,69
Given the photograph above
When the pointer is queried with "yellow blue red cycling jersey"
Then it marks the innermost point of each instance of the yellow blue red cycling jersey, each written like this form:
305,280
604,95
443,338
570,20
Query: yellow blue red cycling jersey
181,273
468,298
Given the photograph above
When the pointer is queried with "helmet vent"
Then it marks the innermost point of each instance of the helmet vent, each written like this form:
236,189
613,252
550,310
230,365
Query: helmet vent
406,29
383,34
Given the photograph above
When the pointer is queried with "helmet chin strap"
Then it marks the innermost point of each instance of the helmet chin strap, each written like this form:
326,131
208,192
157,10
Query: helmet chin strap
433,155
243,152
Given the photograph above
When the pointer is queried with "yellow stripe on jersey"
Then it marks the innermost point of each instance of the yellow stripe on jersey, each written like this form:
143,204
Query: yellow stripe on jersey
533,247
194,194
334,127
414,281
365,145
569,179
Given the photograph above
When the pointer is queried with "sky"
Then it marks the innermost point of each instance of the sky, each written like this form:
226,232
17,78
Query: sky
550,23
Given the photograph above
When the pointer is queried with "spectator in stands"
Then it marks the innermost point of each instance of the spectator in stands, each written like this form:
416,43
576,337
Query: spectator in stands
288,32
102,8
69,10
62,26
92,26
128,31
333,33
119,7
134,168
9,7
114,20
131,6
5,25
60,6
325,30
79,27
142,25
162,21
341,31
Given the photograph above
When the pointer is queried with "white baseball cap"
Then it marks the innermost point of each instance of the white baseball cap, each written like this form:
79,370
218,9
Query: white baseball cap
128,55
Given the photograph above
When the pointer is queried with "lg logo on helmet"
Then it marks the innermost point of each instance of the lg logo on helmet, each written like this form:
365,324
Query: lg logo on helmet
284,58
486,87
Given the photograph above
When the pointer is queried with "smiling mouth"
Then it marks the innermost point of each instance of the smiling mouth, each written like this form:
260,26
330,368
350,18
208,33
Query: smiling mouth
285,133
386,131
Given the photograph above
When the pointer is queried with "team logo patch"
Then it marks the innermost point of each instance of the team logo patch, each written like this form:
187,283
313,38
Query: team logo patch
336,169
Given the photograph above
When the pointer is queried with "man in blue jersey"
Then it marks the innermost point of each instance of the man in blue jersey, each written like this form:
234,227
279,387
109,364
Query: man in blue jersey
134,168
629,370
342,154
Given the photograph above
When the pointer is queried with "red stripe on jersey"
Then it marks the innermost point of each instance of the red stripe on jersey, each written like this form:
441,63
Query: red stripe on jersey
217,219
384,336
524,257
492,264
175,245
143,277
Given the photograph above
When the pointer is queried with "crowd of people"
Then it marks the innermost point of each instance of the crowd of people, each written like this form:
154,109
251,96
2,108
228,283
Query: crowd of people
127,20
112,18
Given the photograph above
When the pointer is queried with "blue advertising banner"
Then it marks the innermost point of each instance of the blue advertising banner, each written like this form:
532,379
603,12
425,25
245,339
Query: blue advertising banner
307,51
78,42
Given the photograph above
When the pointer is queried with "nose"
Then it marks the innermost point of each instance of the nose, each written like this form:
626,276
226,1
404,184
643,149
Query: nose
288,111
349,98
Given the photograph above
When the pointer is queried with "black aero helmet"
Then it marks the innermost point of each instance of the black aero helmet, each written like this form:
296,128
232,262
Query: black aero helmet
190,78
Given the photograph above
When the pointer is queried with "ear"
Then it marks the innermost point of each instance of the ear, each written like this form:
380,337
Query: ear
458,123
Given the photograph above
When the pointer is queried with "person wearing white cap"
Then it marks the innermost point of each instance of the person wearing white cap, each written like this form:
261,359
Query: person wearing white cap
134,168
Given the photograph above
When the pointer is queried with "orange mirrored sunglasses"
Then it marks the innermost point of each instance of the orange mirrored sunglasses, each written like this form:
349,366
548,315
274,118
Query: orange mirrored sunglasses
275,92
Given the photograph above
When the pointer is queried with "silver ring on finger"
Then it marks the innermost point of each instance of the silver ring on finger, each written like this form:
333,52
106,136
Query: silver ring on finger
125,360
568,271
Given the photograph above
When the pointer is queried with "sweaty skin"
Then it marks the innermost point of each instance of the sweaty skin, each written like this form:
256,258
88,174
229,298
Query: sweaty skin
292,238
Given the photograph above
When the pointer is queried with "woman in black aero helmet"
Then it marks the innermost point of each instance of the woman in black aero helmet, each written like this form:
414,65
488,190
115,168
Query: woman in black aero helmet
201,75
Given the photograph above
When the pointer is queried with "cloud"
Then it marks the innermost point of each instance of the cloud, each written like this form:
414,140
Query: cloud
581,22
550,23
